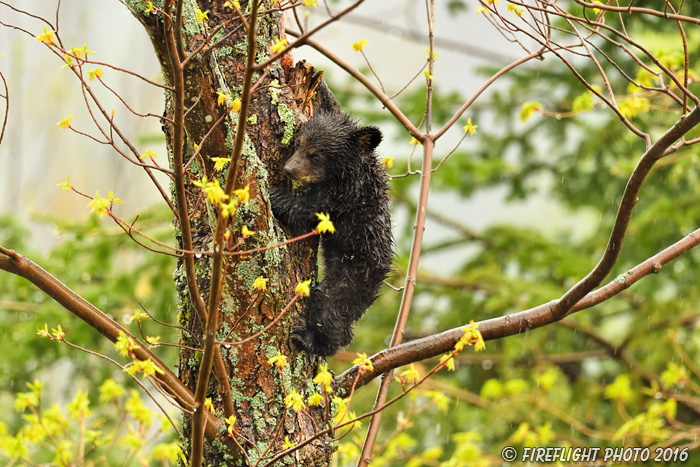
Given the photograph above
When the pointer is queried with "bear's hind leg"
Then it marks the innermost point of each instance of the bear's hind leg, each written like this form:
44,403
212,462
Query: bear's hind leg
328,324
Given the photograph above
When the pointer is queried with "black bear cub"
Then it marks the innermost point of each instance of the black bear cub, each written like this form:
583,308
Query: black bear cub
340,175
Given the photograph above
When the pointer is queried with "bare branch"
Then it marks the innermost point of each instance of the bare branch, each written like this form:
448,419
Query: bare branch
645,11
5,96
19,265
516,323
416,244
662,147
303,36
485,86
391,107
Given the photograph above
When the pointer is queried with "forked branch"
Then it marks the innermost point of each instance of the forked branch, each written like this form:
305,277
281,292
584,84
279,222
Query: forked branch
509,325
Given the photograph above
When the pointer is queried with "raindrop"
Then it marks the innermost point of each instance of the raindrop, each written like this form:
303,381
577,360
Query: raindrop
197,255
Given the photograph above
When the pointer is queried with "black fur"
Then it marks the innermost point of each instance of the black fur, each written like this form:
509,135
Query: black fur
335,160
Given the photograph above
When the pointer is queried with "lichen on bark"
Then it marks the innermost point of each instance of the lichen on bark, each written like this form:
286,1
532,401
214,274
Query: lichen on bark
257,388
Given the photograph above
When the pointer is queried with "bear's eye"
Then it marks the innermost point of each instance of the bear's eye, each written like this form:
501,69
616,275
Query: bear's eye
314,156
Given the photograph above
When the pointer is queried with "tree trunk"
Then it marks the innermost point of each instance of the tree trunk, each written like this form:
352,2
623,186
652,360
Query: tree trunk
257,388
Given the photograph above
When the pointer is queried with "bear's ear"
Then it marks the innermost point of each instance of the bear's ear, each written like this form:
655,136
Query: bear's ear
367,138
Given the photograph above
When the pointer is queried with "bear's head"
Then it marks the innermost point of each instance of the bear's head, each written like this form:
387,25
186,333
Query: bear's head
330,147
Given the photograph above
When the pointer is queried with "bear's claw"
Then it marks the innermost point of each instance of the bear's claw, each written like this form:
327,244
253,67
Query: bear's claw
306,339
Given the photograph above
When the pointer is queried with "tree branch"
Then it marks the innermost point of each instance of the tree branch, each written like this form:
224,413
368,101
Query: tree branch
200,417
22,266
416,244
657,150
516,323
485,86
303,36
646,11
390,106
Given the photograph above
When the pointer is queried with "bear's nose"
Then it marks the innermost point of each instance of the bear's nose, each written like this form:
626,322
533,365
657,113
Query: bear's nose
288,171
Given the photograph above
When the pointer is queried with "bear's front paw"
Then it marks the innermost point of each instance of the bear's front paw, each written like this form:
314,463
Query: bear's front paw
309,340
277,196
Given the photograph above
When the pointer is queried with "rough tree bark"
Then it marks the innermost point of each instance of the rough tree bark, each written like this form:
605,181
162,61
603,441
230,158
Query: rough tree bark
282,97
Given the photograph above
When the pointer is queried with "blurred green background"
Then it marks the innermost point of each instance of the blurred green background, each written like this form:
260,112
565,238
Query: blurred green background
518,214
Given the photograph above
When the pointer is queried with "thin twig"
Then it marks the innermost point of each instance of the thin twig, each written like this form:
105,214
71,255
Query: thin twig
416,244
263,330
210,347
